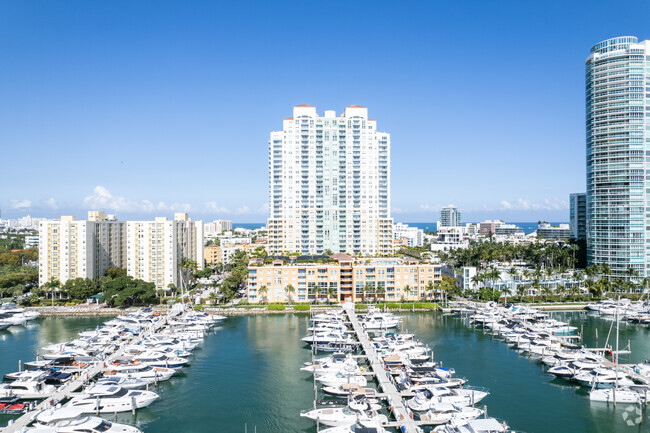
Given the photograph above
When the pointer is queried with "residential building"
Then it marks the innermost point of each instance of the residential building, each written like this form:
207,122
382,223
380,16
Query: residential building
31,241
578,215
547,231
393,279
449,216
216,227
155,249
80,249
617,101
212,254
329,184
508,230
411,236
488,227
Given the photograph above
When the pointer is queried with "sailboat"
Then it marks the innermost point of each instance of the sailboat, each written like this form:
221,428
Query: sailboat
616,394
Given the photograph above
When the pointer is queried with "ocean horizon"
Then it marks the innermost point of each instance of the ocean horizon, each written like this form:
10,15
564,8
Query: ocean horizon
528,227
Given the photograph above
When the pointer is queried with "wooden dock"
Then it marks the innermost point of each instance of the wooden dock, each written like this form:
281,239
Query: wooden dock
402,414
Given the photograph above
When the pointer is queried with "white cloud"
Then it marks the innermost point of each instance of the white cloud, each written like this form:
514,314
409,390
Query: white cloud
243,210
528,205
50,203
213,207
20,204
103,199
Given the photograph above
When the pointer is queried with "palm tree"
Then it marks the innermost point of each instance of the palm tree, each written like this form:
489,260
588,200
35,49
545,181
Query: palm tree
521,291
263,291
506,291
407,290
331,293
546,292
605,270
290,290
316,290
430,287
53,285
381,290
560,290
368,288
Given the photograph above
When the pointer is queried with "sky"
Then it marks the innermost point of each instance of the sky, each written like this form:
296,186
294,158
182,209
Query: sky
146,108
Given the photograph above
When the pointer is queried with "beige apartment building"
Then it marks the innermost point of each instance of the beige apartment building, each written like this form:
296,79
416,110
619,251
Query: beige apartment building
148,250
80,249
387,279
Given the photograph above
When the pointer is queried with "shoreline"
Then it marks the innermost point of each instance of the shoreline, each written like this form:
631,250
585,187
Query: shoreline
78,311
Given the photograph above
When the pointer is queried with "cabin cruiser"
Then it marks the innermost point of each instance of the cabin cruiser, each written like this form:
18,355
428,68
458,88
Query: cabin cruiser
447,412
349,389
603,377
158,359
71,420
428,398
479,425
339,362
339,378
618,395
124,382
27,389
328,337
342,416
373,426
110,399
139,371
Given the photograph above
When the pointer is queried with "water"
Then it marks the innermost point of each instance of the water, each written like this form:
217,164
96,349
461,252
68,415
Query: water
528,227
246,375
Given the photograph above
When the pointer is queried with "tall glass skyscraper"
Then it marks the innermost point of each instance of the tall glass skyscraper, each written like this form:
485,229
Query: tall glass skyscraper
618,151
329,180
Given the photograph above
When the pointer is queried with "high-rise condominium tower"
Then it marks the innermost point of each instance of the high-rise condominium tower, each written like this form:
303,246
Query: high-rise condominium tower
329,182
618,105
449,216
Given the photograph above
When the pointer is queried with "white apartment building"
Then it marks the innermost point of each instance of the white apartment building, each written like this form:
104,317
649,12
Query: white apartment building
216,227
329,184
80,249
449,216
413,235
155,249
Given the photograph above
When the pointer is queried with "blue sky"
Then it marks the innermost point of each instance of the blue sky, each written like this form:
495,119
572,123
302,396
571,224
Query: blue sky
150,107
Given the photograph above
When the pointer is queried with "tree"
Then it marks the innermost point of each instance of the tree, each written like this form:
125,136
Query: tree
546,292
407,290
316,290
115,272
126,291
80,288
430,287
368,288
521,292
53,285
263,290
290,290
506,291
381,290
331,293
188,267
214,298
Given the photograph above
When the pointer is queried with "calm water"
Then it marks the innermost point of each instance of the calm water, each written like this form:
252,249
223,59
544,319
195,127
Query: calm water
246,375
528,227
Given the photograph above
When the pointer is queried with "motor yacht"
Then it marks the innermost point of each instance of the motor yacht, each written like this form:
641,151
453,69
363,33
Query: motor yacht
428,398
373,426
603,377
27,389
446,412
110,399
618,395
339,378
72,420
345,416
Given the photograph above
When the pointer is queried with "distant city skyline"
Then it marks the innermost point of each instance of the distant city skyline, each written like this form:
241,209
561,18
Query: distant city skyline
485,108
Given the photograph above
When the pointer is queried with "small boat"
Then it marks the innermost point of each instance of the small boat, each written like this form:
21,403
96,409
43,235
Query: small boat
618,395
339,378
71,420
345,416
446,412
373,426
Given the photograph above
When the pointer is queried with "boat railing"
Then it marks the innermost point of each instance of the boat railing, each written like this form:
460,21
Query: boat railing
476,388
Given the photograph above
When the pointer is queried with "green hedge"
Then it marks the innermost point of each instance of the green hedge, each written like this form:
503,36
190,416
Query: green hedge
301,307
360,306
276,307
419,306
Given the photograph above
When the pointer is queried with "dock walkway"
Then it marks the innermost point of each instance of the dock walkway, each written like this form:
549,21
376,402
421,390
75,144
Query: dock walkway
401,413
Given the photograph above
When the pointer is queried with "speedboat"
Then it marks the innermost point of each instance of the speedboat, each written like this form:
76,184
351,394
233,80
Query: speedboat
479,425
603,377
373,426
158,359
428,398
71,420
128,383
110,399
27,389
139,371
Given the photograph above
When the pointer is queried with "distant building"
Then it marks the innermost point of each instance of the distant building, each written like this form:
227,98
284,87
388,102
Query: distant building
31,241
507,230
413,236
329,184
547,231
450,216
488,227
578,215
216,227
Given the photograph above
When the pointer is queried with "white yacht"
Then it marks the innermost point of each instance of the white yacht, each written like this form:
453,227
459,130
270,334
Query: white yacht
618,395
27,389
373,426
139,371
110,399
428,398
339,378
446,412
345,416
159,359
70,420
603,377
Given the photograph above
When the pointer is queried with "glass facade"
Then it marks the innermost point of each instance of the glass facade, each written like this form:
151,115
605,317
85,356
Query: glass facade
617,108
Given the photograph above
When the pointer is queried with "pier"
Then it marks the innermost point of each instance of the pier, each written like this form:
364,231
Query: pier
401,413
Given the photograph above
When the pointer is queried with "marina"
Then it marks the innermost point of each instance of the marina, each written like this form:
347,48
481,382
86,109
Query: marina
264,390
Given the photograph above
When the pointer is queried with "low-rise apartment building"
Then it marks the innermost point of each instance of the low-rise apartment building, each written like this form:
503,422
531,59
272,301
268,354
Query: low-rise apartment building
344,280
